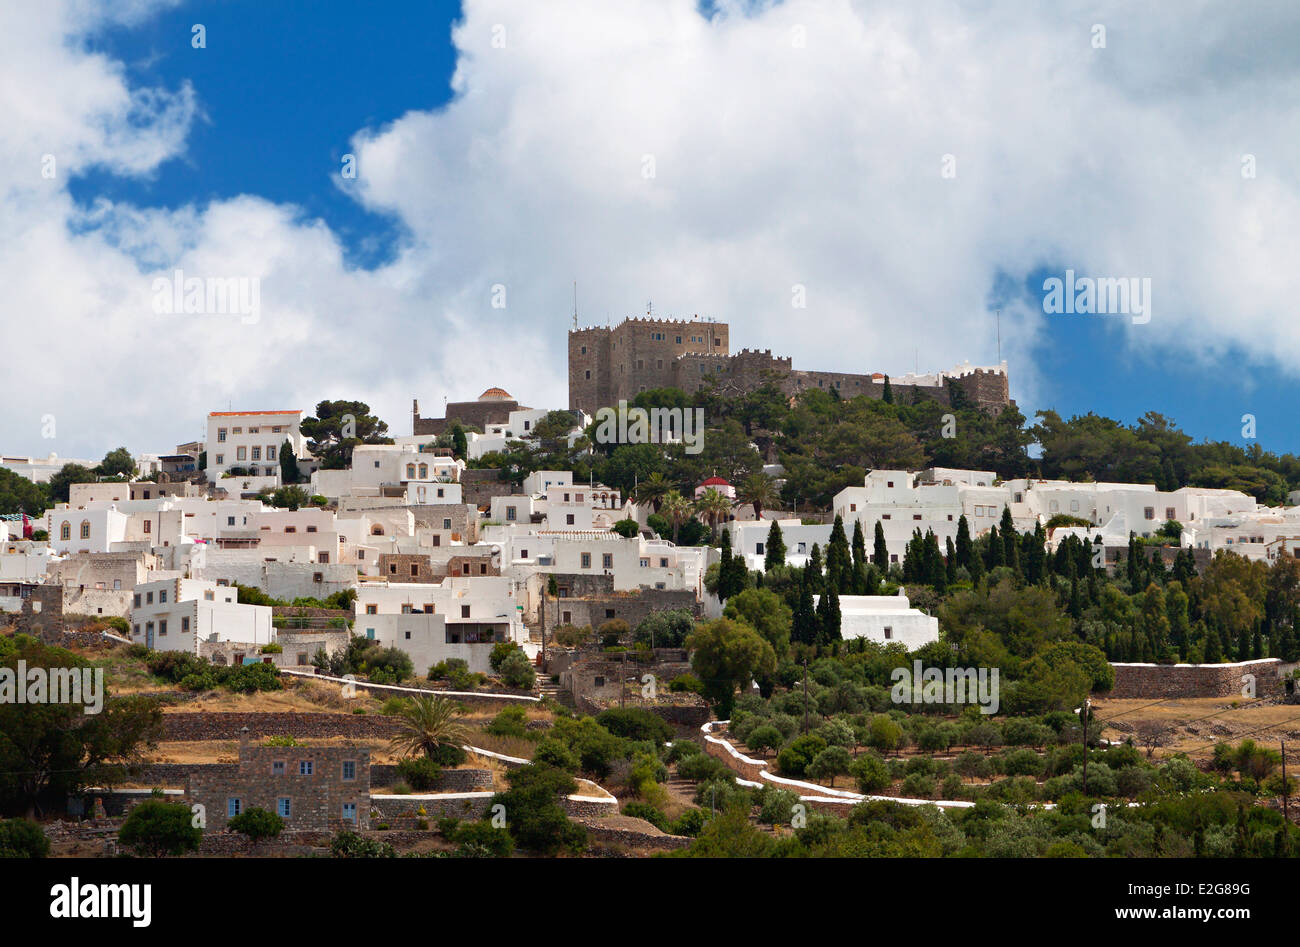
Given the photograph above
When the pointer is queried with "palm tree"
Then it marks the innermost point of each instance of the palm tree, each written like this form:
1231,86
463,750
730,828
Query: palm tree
427,722
713,506
652,490
760,490
677,509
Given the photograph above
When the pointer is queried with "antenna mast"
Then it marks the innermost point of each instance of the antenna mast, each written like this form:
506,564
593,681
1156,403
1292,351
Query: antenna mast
575,304
999,336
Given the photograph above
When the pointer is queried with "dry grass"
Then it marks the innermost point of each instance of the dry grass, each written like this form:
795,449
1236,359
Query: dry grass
1197,724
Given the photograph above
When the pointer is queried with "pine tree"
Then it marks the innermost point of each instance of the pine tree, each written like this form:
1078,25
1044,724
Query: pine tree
774,550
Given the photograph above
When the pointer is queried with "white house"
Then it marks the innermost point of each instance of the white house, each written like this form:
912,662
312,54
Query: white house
886,619
176,614
251,440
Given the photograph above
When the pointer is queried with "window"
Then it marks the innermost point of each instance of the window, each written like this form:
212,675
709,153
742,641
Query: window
162,627
510,516
410,471
137,599
221,458
305,767
148,526
241,453
349,769
1169,514
424,474
238,430
148,598
1149,513
374,610
282,807
889,636
270,452
349,812
446,522
252,430
917,516
568,520
607,560
586,560
233,807
464,611
65,531
257,453
221,435
85,528
162,596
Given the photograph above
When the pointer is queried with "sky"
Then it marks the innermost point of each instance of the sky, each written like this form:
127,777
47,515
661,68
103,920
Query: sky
413,188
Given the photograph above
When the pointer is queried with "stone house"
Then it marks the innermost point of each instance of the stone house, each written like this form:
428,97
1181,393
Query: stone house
313,788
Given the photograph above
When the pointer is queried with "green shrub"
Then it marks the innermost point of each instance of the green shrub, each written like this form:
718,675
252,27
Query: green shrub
634,723
794,760
156,828
22,838
420,773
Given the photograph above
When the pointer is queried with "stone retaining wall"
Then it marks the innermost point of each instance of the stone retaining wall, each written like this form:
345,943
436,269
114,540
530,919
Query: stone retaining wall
205,725
1157,681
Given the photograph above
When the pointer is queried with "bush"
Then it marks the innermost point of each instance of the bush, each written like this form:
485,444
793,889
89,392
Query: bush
481,840
500,651
795,758
511,722
257,824
448,755
420,773
643,810
552,752
22,838
534,816
517,670
690,822
871,773
633,723
349,844
155,828
701,766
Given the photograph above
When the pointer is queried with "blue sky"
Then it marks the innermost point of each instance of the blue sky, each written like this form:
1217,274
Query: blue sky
796,144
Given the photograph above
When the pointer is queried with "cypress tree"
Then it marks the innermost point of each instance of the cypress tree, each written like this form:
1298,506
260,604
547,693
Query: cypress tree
993,552
839,559
888,395
965,548
859,544
814,568
950,561
880,551
1010,542
774,550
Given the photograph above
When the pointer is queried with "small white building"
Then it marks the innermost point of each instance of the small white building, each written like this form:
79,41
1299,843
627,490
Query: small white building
886,619
177,614
251,440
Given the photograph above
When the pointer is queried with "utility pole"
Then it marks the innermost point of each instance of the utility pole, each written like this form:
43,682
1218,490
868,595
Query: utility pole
1083,718
1286,811
805,695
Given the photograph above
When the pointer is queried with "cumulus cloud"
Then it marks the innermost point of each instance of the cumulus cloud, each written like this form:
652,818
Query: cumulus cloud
708,162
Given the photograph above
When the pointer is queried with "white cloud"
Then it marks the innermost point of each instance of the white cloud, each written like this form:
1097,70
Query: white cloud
792,143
